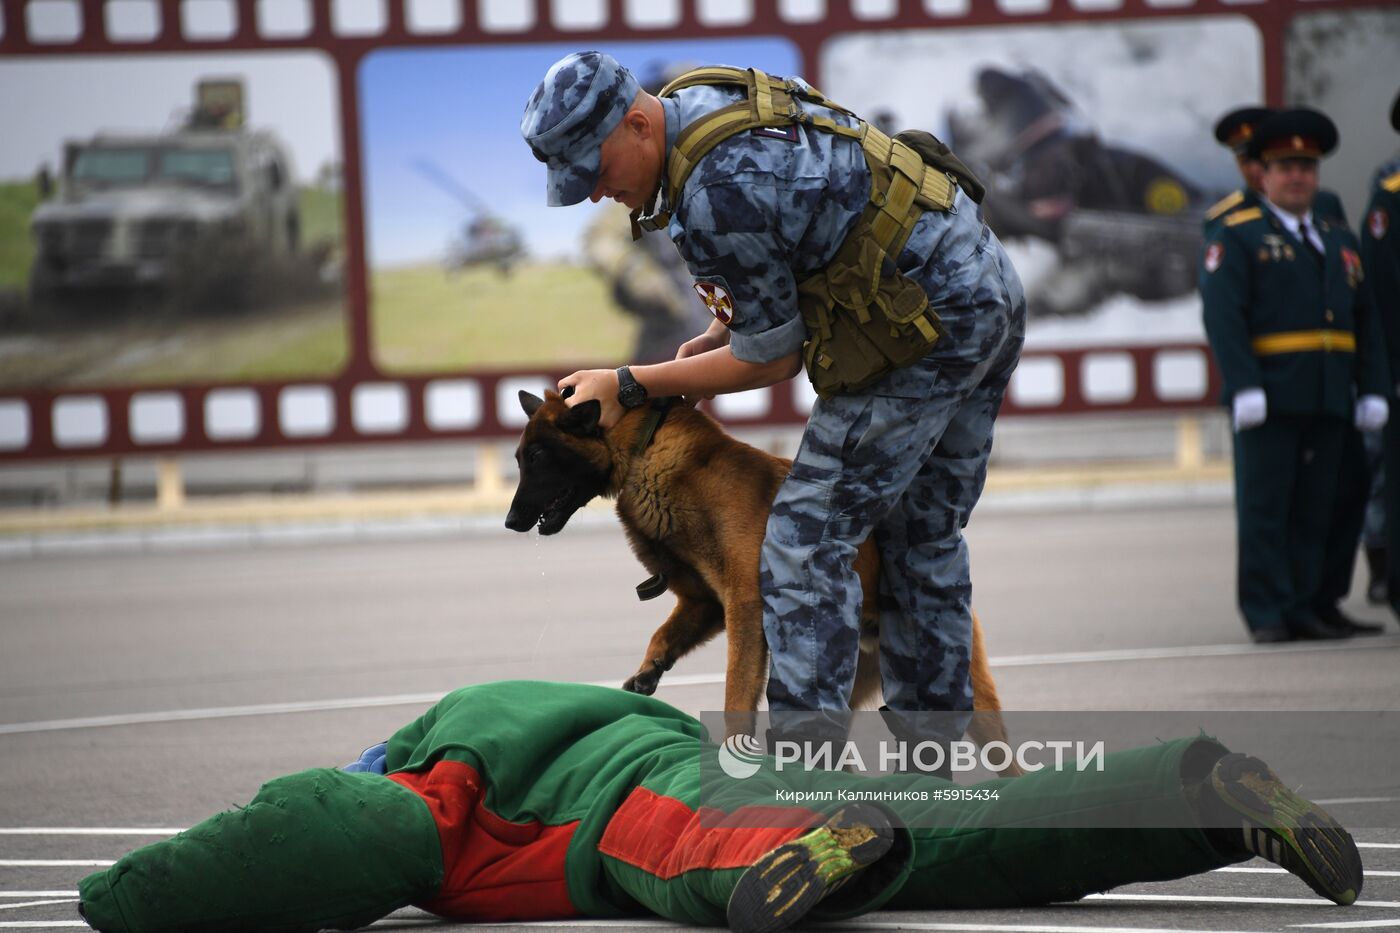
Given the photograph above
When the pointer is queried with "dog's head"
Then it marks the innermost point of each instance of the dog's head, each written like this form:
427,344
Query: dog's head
564,463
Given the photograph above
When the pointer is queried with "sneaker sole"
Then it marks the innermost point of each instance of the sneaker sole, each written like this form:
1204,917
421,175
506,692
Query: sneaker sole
1290,830
780,888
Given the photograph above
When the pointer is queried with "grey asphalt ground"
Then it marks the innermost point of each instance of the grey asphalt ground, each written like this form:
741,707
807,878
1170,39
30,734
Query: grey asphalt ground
149,690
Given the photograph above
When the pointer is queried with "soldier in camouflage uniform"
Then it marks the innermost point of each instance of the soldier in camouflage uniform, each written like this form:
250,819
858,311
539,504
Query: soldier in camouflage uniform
649,282
904,459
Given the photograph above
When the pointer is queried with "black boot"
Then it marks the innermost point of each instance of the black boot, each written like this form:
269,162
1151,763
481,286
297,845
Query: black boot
1377,592
1335,617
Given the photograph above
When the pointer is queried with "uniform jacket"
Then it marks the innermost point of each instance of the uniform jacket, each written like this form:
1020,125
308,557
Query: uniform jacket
765,209
1326,206
1275,320
1380,255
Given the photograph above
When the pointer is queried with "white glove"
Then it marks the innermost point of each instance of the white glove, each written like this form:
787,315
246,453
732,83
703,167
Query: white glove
1372,412
1250,408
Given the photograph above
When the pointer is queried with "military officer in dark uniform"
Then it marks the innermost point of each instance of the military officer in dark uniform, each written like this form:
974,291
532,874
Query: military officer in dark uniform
1360,467
1380,255
1234,131
1293,330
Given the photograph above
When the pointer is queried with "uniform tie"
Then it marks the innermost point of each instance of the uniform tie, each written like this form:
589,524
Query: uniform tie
1307,242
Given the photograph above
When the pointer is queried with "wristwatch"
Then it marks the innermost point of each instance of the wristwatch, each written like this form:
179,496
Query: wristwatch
630,393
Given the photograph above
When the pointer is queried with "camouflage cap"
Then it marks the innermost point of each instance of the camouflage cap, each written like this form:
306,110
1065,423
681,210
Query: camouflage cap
581,100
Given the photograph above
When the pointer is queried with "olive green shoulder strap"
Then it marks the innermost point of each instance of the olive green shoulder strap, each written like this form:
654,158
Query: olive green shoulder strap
767,103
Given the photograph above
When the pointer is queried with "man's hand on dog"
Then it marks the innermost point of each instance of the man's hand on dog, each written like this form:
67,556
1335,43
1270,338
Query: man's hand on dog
600,384
703,368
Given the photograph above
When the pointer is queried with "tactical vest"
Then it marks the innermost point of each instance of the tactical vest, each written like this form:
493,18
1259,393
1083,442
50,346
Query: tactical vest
864,317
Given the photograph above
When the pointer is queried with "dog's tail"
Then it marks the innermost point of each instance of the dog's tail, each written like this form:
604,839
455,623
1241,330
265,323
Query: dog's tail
986,725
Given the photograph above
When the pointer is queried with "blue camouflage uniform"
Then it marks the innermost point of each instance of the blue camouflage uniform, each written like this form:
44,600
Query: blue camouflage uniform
905,459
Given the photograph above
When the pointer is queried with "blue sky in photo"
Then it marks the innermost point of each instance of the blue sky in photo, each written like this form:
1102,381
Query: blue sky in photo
460,108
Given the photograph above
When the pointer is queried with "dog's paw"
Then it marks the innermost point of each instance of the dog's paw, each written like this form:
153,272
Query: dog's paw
645,680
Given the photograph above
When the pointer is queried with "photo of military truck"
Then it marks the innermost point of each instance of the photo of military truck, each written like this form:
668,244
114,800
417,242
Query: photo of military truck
196,215
192,244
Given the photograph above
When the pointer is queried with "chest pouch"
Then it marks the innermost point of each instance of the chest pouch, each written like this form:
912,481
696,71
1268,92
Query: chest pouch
864,317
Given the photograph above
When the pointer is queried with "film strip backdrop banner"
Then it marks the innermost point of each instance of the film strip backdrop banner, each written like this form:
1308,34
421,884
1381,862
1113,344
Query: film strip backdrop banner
236,224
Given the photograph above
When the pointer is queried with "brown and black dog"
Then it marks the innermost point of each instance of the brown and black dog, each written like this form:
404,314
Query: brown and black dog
694,503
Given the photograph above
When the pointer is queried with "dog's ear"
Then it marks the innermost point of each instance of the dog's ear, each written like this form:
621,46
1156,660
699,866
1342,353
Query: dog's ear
531,403
582,419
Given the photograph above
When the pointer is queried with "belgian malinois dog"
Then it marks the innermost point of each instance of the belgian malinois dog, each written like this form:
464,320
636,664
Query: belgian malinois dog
694,503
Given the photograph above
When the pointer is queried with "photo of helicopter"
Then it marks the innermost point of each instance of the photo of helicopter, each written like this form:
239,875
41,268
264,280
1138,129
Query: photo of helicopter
485,239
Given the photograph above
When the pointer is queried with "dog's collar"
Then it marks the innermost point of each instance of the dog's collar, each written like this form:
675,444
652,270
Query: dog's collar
656,413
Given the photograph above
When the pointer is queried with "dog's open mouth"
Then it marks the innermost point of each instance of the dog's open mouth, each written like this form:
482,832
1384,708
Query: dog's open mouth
555,514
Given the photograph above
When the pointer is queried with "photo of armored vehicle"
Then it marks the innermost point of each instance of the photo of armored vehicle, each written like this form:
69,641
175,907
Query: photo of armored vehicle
196,215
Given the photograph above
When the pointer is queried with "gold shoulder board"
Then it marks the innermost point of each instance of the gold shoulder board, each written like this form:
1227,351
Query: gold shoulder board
1392,184
1224,204
1243,217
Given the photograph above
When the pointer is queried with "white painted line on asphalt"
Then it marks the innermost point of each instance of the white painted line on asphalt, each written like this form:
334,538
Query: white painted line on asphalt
633,923
83,831
54,863
1008,928
38,893
218,712
1378,845
1335,801
36,904
272,709
671,680
1281,871
1220,899
1187,651
1350,924
41,924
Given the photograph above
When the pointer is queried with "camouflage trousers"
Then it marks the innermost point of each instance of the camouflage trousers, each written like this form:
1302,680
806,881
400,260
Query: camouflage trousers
906,462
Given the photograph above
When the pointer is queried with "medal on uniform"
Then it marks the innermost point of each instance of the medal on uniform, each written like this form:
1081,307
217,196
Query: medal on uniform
1378,223
1352,261
1276,247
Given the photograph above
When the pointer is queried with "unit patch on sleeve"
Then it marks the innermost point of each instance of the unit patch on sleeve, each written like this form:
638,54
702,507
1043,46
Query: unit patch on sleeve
1378,222
1214,253
716,296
